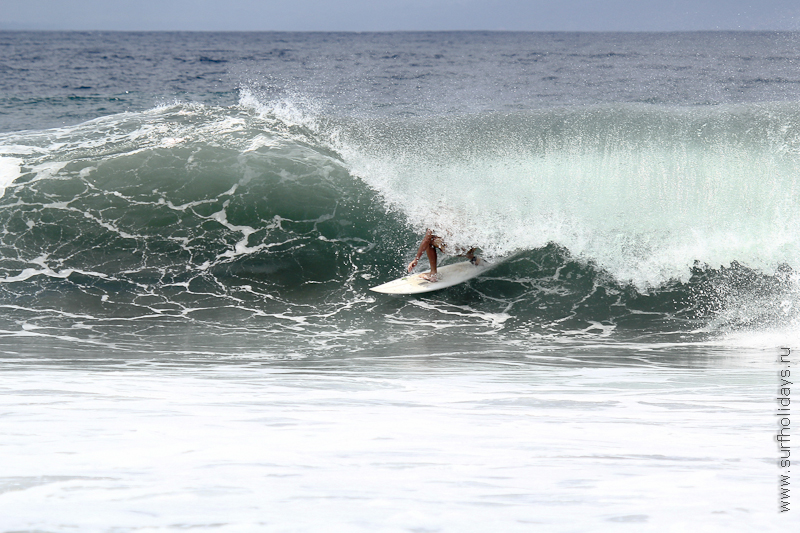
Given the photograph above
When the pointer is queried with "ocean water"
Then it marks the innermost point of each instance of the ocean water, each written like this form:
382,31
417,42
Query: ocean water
190,224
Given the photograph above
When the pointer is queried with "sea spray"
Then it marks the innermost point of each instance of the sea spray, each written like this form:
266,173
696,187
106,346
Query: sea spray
643,191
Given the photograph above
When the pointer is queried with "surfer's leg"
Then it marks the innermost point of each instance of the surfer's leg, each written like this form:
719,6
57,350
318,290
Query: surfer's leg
432,276
431,251
474,259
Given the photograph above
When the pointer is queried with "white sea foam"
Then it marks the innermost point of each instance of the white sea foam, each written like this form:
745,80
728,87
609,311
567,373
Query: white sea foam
470,448
10,169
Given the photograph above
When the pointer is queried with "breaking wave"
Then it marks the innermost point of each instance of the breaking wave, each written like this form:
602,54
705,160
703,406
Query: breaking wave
617,218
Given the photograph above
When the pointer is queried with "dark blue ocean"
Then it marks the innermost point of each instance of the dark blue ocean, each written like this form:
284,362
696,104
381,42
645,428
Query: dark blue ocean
190,224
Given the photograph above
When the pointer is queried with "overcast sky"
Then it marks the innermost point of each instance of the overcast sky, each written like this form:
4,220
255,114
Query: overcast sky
386,15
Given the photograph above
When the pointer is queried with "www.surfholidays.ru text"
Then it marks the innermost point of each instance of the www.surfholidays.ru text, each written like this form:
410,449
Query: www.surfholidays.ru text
784,427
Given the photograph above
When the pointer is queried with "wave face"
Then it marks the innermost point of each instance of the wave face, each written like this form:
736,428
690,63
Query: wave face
613,220
185,199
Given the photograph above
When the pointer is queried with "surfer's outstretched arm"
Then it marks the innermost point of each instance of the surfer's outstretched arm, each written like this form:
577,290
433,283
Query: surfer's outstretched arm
426,246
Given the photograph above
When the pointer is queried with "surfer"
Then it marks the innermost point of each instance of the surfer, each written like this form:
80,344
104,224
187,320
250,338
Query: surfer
429,245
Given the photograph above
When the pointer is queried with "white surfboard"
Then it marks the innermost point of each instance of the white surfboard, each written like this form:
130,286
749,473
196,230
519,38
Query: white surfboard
449,275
